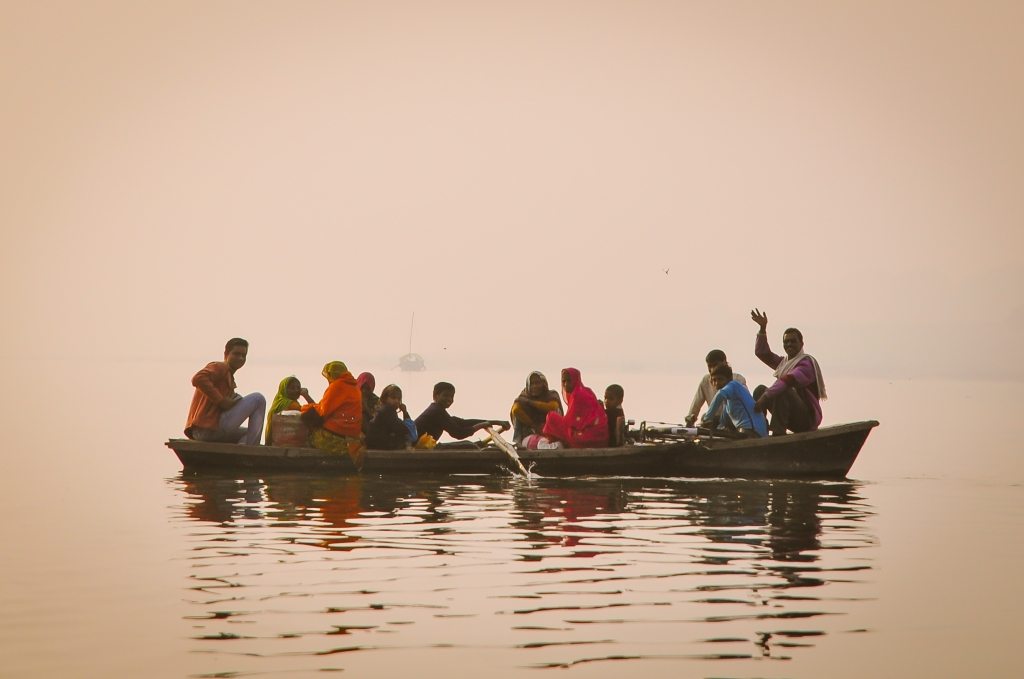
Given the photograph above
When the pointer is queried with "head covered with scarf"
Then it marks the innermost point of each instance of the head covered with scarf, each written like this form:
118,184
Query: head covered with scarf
281,403
579,399
334,370
545,392
585,423
282,400
366,381
571,382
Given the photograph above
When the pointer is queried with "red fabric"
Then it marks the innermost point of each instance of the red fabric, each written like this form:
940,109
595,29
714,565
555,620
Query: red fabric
365,379
341,407
585,424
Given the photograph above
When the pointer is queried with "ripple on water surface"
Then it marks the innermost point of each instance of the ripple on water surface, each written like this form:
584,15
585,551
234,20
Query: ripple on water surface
504,573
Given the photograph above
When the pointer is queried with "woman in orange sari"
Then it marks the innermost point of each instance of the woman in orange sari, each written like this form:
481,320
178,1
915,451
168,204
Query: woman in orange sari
585,423
340,413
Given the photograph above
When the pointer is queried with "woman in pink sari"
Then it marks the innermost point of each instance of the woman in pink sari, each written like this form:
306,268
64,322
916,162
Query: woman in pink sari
584,424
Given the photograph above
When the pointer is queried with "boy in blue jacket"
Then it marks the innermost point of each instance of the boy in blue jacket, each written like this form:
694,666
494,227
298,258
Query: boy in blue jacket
739,405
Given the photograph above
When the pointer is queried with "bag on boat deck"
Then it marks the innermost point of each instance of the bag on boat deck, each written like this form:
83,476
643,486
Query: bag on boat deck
289,430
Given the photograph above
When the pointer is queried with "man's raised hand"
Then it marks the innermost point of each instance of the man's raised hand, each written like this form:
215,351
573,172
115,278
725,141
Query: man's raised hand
760,318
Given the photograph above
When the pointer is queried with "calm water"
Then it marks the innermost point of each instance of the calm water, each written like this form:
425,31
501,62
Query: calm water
118,564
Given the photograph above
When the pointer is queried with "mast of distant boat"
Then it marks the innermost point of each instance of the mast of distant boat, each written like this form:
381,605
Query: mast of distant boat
411,324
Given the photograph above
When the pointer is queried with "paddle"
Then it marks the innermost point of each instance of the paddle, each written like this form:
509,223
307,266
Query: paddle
509,449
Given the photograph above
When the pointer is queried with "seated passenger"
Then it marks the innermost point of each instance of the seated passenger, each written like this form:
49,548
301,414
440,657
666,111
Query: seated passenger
386,430
705,392
735,404
435,419
366,383
613,396
217,412
532,406
336,421
794,400
584,424
287,398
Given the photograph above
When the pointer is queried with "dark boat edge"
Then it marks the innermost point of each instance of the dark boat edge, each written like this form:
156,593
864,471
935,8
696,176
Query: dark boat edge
827,453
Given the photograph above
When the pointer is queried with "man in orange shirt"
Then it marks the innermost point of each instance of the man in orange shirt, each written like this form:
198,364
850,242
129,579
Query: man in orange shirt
217,412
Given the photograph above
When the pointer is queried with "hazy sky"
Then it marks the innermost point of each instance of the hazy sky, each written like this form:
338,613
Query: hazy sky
519,174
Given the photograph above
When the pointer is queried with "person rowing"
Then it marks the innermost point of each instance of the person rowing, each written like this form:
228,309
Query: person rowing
435,420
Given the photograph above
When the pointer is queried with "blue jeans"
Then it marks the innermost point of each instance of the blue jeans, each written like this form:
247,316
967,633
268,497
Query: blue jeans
251,408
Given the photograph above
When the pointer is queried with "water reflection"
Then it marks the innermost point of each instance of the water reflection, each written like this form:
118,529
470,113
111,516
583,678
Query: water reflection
550,573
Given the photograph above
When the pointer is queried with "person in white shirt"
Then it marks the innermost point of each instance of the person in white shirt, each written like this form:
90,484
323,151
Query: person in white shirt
705,390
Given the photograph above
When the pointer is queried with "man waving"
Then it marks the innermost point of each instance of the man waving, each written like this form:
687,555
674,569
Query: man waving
794,400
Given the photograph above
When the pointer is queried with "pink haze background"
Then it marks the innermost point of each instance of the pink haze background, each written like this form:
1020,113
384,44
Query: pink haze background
521,175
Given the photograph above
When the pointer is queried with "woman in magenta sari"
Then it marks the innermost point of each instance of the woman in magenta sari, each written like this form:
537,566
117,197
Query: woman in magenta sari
584,424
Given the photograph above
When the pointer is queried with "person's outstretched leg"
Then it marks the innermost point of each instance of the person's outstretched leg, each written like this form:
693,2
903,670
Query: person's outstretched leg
252,407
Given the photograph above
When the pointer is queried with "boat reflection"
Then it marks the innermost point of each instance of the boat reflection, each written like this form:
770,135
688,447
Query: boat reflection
740,555
782,517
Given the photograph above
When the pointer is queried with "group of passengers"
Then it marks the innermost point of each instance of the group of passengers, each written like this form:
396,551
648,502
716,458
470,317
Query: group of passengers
351,417
793,400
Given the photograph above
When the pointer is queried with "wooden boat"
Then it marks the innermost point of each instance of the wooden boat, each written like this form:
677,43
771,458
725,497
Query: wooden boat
826,453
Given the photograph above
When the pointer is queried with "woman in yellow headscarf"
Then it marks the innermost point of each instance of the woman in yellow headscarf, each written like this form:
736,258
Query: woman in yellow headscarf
341,415
288,392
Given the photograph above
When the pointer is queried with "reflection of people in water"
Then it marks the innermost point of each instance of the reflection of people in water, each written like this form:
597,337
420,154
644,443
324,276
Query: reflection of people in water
222,499
783,517
571,504
335,500
225,499
330,503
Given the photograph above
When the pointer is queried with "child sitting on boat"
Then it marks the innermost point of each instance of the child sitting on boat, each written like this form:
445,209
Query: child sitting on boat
386,431
739,409
436,420
613,395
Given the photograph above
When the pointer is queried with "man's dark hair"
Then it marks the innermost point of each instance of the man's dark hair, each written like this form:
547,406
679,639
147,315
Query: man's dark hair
715,356
442,387
615,390
723,371
799,335
235,342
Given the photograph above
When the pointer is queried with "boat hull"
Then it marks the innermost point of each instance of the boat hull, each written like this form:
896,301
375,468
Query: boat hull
826,453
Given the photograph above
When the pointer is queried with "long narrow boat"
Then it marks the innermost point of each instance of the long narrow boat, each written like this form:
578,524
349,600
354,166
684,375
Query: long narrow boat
826,453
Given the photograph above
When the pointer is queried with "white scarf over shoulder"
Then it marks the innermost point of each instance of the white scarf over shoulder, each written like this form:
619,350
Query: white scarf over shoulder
788,364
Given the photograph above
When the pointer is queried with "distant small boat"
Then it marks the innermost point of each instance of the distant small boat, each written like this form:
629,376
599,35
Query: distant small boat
411,362
827,453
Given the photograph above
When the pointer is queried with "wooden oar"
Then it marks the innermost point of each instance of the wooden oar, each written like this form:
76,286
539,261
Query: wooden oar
509,449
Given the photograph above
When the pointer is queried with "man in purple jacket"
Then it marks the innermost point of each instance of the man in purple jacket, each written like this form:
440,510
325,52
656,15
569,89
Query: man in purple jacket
794,400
